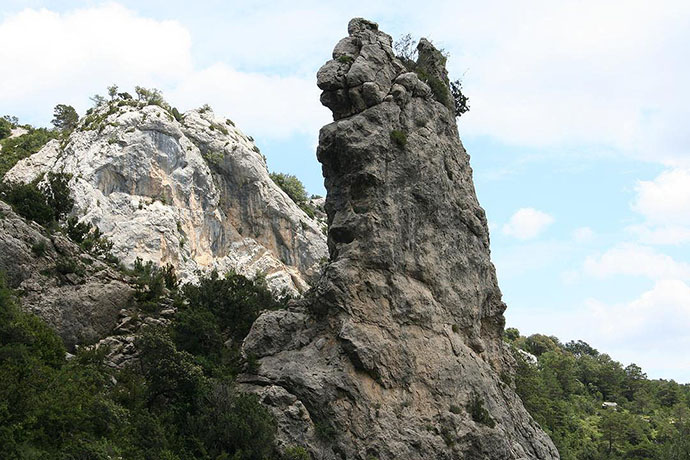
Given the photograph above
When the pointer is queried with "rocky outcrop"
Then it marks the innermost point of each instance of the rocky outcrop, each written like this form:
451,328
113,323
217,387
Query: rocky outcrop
397,351
77,294
191,191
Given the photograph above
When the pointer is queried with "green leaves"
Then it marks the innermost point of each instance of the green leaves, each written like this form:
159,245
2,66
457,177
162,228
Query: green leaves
164,406
565,391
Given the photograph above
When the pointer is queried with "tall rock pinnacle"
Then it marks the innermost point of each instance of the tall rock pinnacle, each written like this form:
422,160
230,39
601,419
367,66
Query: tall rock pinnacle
397,351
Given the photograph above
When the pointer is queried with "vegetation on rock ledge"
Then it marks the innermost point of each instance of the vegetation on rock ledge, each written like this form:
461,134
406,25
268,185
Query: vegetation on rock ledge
177,402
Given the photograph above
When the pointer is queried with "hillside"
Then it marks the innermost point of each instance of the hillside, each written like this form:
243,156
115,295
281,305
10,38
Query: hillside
163,296
189,190
595,408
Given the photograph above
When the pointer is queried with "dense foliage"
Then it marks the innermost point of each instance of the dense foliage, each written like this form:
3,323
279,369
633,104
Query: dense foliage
20,147
294,188
177,402
7,124
565,391
46,202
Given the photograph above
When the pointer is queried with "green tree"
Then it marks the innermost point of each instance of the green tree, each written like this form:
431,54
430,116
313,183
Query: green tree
112,91
291,185
538,344
65,118
28,201
57,194
5,128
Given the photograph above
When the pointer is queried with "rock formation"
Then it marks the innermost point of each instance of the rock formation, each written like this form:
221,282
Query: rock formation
78,295
397,351
191,191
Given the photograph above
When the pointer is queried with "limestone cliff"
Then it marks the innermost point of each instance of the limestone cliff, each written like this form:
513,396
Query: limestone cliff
397,351
191,191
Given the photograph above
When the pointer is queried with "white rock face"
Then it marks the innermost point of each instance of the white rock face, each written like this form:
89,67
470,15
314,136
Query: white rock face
195,194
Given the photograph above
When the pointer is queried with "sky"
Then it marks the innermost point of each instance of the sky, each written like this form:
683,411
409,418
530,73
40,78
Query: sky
578,128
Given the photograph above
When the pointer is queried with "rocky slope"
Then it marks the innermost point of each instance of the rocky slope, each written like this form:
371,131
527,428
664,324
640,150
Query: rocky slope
397,352
193,192
78,295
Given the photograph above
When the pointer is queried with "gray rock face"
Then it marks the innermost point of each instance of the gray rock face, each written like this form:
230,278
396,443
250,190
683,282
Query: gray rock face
76,294
398,346
194,193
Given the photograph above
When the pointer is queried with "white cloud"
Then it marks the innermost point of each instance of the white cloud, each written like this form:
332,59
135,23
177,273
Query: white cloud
535,79
527,223
661,234
635,260
664,203
650,330
666,199
262,105
583,234
67,57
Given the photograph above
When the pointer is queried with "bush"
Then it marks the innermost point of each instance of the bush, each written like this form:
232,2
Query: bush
476,409
6,128
447,93
57,194
45,204
460,101
161,407
39,248
150,282
20,147
232,422
28,201
291,185
296,453
176,113
399,138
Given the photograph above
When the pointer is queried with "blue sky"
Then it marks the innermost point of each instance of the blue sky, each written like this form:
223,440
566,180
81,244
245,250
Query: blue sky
577,129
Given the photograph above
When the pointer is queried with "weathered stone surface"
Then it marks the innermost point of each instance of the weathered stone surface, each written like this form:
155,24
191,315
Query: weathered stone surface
83,305
193,193
404,328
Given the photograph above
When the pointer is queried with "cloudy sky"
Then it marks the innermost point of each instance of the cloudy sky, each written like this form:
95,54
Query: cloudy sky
578,129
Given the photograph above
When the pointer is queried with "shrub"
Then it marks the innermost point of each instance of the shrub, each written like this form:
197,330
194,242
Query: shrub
38,249
28,201
150,282
460,101
234,300
406,50
67,265
345,59
399,138
5,128
151,96
291,185
57,194
235,422
476,409
325,431
65,118
176,113
296,453
20,147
